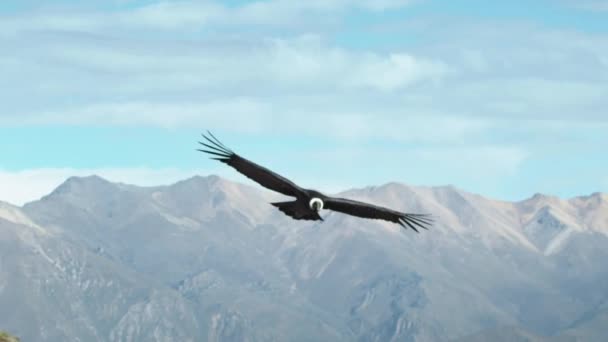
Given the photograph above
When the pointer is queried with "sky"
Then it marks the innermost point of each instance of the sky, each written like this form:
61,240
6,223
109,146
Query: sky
501,98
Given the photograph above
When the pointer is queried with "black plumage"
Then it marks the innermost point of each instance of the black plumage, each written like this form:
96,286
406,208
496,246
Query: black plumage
308,203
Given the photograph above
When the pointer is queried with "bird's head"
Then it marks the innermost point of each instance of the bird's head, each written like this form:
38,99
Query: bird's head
316,204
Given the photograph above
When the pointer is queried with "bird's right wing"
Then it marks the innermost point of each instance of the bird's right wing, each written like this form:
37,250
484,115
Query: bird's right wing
253,171
370,211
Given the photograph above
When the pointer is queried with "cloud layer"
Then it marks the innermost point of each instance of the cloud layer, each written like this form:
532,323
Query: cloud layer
492,95
85,64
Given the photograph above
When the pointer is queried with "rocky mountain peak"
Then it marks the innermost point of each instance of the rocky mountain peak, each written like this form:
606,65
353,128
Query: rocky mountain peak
83,186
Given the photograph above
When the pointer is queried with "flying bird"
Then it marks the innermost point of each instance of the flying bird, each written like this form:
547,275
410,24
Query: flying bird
307,203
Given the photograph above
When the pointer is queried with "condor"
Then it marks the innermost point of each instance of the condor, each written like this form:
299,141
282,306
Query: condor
307,203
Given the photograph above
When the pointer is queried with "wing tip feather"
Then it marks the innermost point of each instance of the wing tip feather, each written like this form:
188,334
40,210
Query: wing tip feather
401,222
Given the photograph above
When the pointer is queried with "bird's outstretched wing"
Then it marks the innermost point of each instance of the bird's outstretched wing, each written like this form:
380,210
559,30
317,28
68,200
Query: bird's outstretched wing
371,211
258,173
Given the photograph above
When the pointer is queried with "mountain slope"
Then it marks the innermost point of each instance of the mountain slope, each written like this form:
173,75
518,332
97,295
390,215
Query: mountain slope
52,289
209,259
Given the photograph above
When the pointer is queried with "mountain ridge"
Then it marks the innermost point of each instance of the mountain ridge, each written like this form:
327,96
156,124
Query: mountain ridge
207,258
439,201
597,195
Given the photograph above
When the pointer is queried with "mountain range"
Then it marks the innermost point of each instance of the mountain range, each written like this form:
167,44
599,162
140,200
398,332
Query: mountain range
207,259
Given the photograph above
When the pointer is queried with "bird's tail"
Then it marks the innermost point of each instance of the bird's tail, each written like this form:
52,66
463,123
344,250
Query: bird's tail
297,211
289,208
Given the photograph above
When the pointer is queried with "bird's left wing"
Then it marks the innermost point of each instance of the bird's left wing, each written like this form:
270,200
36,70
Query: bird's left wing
371,211
253,171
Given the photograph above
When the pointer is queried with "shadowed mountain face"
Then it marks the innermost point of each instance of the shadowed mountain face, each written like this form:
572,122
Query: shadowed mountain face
208,259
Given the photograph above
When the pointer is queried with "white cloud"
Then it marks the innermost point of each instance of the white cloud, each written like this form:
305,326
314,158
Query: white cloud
303,61
396,71
169,115
529,98
19,187
171,15
491,162
194,15
106,80
174,15
256,116
303,65
444,89
418,128
592,5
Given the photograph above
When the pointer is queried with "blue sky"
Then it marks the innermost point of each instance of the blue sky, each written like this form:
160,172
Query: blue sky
505,99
